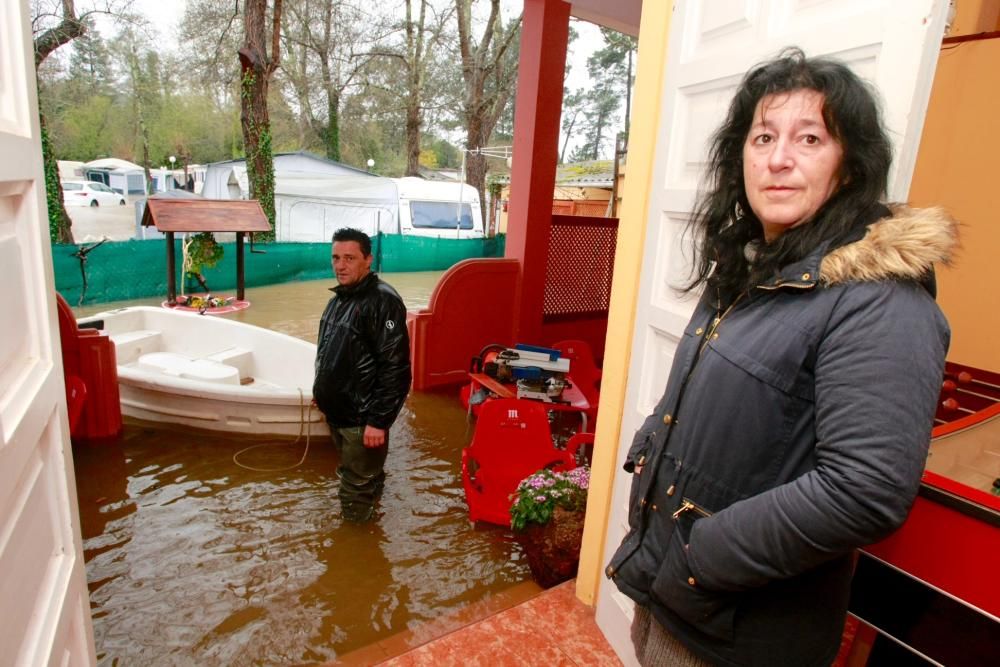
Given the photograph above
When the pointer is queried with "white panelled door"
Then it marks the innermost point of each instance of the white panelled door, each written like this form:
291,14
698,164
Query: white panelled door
893,43
44,607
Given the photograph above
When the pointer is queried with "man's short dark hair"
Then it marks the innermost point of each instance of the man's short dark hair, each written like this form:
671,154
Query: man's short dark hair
351,234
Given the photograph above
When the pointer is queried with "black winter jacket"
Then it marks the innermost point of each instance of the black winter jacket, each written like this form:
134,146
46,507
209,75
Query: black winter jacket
362,356
792,431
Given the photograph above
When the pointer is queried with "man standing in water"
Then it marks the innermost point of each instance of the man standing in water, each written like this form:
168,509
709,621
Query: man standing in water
362,371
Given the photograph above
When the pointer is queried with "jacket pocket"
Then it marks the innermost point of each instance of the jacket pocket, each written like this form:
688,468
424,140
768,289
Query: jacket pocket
676,589
773,353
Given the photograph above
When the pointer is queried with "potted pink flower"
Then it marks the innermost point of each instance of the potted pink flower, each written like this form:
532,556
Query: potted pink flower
547,519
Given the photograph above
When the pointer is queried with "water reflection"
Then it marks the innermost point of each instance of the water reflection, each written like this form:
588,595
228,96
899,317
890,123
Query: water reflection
193,559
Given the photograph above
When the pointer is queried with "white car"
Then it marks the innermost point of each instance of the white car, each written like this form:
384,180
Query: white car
90,193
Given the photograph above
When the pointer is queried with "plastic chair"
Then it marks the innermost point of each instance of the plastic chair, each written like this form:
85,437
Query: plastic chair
511,442
584,372
582,446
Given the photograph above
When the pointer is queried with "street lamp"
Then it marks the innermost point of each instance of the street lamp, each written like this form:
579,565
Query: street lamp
172,160
371,163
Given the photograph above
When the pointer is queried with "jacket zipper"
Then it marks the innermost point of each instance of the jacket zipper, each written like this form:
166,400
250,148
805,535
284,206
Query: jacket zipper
777,286
688,506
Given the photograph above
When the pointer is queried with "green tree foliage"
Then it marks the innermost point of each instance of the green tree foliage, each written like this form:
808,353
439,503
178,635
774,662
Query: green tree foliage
593,113
190,101
90,70
327,45
446,156
615,63
601,104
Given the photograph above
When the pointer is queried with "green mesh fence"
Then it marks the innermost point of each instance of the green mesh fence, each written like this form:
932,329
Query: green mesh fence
123,270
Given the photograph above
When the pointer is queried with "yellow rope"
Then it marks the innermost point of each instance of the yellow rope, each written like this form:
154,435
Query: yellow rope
302,428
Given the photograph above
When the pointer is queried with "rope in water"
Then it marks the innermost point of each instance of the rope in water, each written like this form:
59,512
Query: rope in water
302,429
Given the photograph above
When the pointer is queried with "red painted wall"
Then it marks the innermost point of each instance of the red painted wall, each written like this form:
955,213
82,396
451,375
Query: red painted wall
472,306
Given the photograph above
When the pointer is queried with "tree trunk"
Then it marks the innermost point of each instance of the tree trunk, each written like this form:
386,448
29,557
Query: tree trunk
475,165
69,28
333,126
415,64
331,138
482,108
413,134
141,119
569,134
256,68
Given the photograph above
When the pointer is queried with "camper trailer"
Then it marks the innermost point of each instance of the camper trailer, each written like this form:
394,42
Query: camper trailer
308,209
314,197
439,209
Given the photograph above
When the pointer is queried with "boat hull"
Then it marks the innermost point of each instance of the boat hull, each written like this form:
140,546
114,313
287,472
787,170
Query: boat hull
142,402
212,373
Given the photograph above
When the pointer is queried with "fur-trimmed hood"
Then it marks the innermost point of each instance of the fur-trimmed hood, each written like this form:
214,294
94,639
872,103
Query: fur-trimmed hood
905,246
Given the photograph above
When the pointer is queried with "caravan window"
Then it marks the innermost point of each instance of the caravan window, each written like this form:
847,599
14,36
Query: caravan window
439,214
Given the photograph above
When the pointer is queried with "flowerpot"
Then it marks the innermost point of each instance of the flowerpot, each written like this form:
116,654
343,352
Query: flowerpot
553,550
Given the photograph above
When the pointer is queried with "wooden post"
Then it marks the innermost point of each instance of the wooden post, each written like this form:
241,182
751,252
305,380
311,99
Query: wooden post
239,266
171,271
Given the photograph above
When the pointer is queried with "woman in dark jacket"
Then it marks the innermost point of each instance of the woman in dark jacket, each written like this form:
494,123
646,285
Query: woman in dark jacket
797,414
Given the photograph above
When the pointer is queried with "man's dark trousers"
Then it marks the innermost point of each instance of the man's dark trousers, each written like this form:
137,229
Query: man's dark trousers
361,472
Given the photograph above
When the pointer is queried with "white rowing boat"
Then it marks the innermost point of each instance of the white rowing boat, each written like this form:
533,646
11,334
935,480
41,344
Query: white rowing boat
211,373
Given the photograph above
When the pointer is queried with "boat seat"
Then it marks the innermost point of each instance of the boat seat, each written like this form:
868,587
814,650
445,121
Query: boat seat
240,358
204,370
131,345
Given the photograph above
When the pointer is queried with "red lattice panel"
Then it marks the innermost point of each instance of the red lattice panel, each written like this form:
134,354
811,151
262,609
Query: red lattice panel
580,266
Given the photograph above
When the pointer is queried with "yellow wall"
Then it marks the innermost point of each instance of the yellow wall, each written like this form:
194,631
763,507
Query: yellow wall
652,57
957,169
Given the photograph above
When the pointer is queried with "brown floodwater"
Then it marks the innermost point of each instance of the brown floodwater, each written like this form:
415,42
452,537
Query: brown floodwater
193,559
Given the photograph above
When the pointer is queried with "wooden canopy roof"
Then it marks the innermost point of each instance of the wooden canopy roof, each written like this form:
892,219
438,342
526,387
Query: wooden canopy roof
205,215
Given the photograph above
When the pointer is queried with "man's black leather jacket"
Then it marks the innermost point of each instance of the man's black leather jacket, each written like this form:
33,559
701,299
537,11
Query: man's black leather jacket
363,355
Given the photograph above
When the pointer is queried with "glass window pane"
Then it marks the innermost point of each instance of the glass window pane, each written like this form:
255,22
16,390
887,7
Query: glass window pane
439,215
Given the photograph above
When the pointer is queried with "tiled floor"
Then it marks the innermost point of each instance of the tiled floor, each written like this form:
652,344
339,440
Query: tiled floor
523,626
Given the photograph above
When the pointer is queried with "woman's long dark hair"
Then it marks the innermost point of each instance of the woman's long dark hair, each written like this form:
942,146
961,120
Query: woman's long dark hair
853,118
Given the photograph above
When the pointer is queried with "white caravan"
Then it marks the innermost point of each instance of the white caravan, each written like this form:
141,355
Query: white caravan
309,209
431,208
